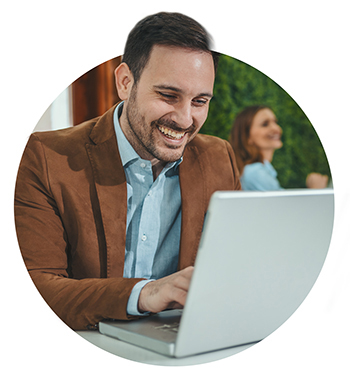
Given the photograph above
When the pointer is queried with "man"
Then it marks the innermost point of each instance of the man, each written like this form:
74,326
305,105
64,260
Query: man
109,213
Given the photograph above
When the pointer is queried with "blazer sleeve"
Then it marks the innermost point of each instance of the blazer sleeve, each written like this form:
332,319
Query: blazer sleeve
237,183
80,303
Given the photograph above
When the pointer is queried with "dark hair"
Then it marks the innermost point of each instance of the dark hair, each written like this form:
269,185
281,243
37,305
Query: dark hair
171,29
239,135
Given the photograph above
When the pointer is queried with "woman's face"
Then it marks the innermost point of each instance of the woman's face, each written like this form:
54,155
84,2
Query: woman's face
265,133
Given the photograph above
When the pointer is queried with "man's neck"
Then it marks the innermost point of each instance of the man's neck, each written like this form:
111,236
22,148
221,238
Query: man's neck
157,167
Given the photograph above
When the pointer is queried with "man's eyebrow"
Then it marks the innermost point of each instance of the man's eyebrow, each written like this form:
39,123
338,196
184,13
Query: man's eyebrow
179,90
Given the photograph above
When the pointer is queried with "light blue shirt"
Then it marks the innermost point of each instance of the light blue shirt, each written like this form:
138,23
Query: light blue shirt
153,217
260,177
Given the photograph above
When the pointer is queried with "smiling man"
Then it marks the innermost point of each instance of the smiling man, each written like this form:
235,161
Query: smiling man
169,105
109,213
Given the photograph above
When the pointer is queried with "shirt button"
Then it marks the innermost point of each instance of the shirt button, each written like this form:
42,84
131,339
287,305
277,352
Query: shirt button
143,238
143,165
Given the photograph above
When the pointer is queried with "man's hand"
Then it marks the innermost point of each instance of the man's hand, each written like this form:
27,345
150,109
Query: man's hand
166,293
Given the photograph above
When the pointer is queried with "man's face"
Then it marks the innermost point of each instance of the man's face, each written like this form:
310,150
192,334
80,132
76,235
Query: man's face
170,102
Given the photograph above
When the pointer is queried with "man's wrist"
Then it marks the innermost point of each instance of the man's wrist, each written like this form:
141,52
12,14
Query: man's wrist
132,306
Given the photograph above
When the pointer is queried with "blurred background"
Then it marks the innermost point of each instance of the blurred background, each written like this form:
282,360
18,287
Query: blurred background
239,85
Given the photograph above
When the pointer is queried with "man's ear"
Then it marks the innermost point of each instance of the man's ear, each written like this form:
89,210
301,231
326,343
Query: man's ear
123,80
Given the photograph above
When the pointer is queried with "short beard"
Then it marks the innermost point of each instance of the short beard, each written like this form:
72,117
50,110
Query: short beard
133,116
148,144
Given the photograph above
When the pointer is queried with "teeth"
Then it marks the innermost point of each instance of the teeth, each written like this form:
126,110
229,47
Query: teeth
171,133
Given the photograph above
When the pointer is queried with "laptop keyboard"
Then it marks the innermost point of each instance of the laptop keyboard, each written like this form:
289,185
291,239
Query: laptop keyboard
173,327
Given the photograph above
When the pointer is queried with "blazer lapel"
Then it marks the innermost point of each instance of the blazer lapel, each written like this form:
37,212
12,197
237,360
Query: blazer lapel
194,203
110,184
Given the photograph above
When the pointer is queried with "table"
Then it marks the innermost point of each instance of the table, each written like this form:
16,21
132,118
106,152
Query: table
132,352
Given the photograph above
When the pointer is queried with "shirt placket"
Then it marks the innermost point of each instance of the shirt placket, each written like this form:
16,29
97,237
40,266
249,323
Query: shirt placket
148,235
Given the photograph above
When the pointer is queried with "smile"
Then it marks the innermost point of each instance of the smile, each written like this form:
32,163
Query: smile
275,137
171,133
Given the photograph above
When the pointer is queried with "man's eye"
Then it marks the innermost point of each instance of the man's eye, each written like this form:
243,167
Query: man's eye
167,96
200,102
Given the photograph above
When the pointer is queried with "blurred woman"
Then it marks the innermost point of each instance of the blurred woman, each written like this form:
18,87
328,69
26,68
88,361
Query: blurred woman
255,136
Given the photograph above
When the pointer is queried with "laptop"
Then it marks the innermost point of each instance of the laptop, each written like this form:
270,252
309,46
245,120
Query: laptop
259,256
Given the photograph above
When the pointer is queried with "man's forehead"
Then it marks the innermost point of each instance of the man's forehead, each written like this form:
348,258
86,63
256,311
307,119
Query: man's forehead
173,66
161,53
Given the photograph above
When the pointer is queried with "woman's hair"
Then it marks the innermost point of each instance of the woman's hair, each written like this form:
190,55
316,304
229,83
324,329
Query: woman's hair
169,29
239,135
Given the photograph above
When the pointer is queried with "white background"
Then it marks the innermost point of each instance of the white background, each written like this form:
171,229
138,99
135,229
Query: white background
302,45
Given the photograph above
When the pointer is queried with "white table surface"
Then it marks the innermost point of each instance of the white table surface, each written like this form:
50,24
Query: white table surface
132,352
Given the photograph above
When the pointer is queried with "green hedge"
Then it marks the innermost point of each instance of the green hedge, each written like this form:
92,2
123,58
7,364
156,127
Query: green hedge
238,85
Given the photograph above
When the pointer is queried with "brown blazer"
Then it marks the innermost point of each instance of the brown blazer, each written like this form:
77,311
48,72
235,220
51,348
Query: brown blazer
70,210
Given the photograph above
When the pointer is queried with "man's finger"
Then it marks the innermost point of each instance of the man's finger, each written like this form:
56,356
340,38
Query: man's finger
178,296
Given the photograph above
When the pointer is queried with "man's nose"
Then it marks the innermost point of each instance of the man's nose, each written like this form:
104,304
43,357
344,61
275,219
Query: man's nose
182,115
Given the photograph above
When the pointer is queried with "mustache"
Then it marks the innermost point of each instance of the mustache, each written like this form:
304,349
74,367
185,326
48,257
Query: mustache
172,125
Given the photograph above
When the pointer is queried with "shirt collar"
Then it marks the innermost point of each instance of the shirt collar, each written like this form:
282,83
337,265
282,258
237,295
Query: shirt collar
127,153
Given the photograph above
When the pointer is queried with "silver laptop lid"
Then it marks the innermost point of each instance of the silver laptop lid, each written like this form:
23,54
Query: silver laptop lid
259,256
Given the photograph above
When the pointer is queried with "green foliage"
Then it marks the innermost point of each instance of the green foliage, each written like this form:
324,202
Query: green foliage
239,85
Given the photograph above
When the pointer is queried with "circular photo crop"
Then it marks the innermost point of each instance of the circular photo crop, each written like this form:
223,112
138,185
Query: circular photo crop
176,216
